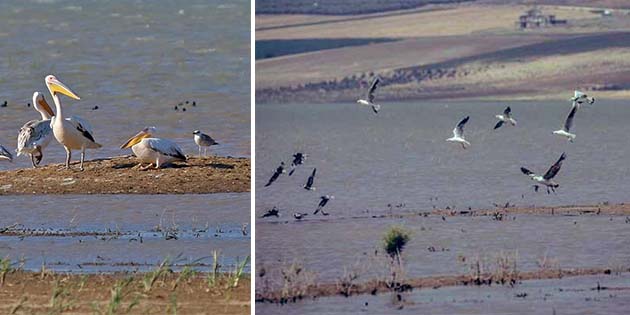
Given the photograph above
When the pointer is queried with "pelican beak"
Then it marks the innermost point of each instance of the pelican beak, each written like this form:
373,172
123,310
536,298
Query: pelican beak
56,86
42,102
135,139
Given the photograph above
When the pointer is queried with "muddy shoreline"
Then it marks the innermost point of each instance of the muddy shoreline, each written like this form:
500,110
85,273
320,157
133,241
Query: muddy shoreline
118,175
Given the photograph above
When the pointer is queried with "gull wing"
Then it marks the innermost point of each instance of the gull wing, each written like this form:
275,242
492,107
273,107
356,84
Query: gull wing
459,130
555,168
499,124
569,121
507,112
373,86
526,171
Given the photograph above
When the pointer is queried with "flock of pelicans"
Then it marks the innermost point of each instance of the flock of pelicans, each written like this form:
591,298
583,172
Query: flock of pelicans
545,180
75,133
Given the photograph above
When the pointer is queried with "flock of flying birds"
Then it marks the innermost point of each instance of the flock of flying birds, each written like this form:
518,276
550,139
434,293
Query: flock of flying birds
75,133
545,180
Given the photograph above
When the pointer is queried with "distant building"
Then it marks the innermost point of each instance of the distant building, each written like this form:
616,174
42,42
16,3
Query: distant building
534,18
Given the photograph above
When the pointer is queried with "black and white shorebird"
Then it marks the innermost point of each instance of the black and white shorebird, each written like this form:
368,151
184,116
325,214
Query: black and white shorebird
274,212
203,140
5,155
546,180
299,215
506,117
580,97
298,159
458,134
323,200
276,174
369,101
568,123
311,179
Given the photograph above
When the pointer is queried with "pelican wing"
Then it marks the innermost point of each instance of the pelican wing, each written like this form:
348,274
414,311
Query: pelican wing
33,131
165,147
373,86
555,168
83,126
569,122
5,154
459,130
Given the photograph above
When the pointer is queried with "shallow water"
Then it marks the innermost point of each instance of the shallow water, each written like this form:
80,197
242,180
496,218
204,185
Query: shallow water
123,232
135,61
575,295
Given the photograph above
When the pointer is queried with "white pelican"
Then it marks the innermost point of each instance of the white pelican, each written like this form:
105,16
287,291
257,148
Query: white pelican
203,140
5,155
155,151
506,117
73,133
369,101
458,134
35,135
545,180
564,132
579,97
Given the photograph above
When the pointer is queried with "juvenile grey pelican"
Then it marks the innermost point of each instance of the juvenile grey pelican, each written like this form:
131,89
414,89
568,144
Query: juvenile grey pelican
274,212
298,159
546,180
581,97
35,135
323,200
155,151
276,174
506,117
458,134
5,155
309,182
564,132
369,101
203,140
73,133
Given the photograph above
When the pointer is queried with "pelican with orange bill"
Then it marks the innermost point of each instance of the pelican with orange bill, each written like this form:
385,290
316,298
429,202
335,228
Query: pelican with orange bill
155,151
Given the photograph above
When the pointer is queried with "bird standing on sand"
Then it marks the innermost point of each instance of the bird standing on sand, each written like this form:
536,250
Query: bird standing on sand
274,212
369,101
323,201
505,118
564,132
311,179
458,134
73,133
581,97
35,135
276,174
546,180
298,159
5,155
203,140
155,151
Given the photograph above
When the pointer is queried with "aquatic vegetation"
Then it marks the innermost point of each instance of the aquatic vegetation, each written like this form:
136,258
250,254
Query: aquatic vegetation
394,241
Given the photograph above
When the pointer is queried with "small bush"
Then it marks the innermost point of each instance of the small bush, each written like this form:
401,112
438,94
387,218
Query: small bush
394,240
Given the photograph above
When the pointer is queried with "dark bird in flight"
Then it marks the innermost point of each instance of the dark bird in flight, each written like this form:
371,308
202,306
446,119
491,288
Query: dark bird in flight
323,201
274,212
298,159
299,215
276,174
309,182
506,117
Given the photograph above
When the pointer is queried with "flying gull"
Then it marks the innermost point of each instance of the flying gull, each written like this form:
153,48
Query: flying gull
370,96
298,159
580,97
505,118
458,134
564,132
546,179
299,215
276,174
323,201
274,212
309,182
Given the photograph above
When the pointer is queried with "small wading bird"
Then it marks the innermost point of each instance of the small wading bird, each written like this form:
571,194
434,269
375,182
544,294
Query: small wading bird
155,151
369,101
298,159
73,133
5,155
580,97
546,180
276,174
322,203
505,118
203,140
35,135
564,132
311,179
458,134
274,212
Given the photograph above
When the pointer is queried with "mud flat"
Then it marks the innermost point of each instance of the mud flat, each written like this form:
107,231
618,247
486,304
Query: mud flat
118,175
157,292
